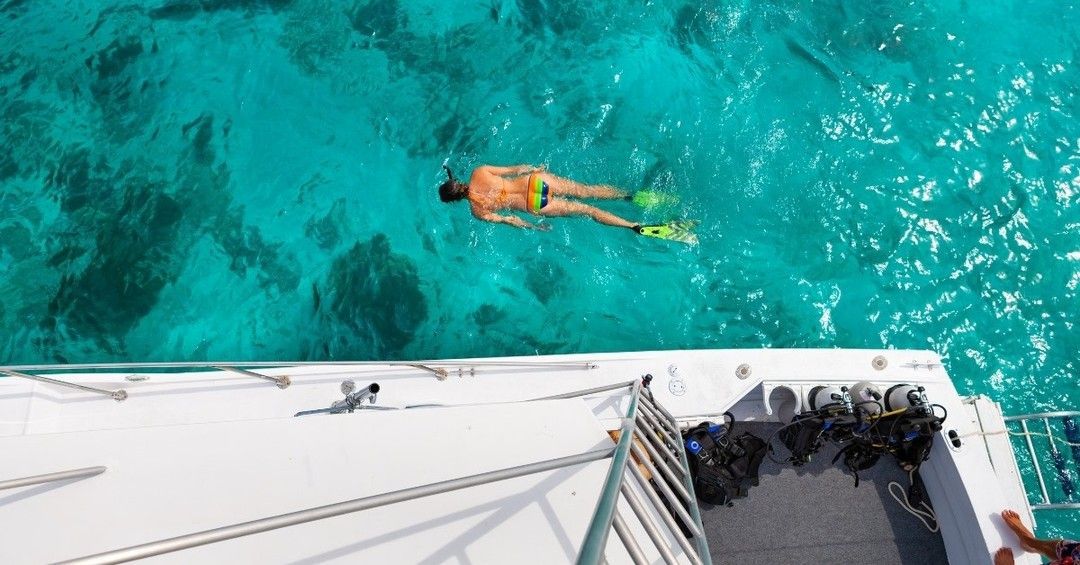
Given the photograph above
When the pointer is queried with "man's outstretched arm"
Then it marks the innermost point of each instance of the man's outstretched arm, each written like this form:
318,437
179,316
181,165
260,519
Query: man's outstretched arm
512,220
515,170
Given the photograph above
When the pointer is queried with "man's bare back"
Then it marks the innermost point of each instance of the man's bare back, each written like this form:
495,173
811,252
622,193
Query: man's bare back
494,189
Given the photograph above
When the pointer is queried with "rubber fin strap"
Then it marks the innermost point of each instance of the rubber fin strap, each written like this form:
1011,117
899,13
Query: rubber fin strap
673,231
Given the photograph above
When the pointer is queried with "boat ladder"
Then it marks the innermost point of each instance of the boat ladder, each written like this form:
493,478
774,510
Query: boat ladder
1055,432
651,435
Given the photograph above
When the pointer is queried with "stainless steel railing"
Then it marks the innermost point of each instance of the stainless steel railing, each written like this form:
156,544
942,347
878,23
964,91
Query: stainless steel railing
117,395
51,477
321,512
264,364
281,381
1063,493
665,460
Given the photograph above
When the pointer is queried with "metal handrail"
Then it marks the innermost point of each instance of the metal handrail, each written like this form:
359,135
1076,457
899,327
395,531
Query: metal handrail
600,525
1035,462
439,372
646,520
642,420
51,477
282,382
586,365
695,512
587,391
1047,503
1059,414
117,395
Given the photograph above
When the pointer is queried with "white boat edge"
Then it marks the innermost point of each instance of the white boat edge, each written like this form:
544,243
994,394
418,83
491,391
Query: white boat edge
969,484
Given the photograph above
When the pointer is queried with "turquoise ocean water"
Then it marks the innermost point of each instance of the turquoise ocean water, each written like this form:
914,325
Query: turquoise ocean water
244,179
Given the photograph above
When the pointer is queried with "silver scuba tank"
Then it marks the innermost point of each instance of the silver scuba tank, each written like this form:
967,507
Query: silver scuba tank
867,396
824,396
905,396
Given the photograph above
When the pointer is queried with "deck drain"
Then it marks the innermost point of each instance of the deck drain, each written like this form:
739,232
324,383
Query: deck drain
880,362
743,371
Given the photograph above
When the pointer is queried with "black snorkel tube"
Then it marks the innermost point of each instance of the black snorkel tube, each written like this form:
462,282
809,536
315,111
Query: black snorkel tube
449,173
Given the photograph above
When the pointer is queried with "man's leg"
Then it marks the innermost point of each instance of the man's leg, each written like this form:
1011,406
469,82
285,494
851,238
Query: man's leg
567,187
1027,539
559,207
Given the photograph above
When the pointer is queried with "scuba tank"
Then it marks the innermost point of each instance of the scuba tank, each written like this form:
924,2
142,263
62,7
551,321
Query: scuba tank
806,433
866,396
822,397
906,396
865,424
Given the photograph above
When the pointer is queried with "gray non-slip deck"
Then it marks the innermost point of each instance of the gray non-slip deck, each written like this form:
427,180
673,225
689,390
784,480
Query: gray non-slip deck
814,514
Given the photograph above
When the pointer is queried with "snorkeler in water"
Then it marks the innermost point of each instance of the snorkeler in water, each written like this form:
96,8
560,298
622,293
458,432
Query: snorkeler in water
531,189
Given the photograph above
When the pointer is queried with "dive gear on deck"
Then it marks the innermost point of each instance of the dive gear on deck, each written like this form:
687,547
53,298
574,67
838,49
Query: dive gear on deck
723,467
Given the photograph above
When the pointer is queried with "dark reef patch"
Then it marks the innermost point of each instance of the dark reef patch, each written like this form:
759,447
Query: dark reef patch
74,181
248,250
375,294
560,17
660,175
544,278
488,315
114,58
326,231
121,86
690,26
115,17
13,8
201,139
28,78
378,19
205,194
176,10
187,9
8,167
132,263
11,62
66,255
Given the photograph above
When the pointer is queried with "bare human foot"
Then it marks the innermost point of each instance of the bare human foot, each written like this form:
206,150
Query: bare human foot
1003,556
1027,539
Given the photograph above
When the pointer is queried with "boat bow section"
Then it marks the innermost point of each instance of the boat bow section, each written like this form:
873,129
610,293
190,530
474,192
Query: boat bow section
189,447
166,481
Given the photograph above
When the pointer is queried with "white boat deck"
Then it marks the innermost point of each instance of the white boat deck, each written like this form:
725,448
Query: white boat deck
177,479
189,451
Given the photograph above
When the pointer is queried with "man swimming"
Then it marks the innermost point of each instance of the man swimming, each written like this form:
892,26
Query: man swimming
531,189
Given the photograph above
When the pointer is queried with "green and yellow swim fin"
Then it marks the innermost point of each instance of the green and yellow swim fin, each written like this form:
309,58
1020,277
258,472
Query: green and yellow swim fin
679,230
652,199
